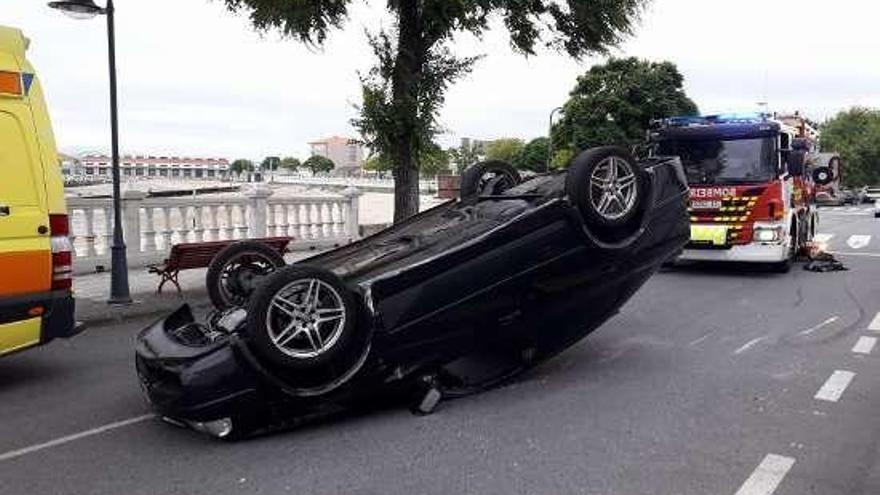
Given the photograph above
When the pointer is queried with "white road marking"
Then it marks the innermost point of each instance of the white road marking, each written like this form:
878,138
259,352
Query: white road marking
844,253
822,237
12,454
834,386
858,241
767,476
875,323
697,341
865,345
748,345
820,325
853,208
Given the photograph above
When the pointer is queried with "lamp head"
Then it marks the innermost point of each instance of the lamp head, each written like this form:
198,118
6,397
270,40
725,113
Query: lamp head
78,9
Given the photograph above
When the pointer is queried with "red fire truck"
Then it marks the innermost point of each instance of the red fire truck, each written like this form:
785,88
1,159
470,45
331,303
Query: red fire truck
752,194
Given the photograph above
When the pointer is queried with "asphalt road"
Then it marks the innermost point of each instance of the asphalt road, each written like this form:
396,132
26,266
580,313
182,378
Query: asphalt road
705,383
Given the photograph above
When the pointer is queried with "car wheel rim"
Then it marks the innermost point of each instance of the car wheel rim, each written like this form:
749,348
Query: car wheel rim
242,275
305,318
613,188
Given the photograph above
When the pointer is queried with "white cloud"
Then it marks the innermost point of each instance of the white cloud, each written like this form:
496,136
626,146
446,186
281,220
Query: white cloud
195,79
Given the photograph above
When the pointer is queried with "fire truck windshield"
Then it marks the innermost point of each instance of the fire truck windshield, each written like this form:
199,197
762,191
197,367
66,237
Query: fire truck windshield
711,161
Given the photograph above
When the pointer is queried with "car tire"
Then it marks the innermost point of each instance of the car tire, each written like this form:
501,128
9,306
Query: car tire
823,175
607,185
303,318
237,270
488,178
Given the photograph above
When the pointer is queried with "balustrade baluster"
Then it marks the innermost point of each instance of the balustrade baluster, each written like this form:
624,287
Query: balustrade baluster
242,225
198,224
89,214
271,227
108,228
213,226
149,230
228,229
183,228
283,221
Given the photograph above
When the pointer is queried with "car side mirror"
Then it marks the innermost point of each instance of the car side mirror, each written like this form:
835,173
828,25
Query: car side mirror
796,161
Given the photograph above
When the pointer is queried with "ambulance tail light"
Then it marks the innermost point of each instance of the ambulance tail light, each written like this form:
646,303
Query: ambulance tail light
10,83
62,252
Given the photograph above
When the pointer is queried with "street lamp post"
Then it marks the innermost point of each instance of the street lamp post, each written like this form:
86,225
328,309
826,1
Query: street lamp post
86,9
550,139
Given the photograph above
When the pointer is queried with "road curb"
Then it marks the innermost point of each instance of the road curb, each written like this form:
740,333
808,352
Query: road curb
96,312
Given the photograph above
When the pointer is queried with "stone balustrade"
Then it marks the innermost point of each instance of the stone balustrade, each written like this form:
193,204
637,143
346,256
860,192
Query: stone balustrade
152,225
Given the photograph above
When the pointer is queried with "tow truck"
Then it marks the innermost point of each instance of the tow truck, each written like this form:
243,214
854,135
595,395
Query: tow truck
752,192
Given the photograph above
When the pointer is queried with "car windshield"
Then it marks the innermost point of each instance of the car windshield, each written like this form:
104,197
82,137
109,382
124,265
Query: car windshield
718,162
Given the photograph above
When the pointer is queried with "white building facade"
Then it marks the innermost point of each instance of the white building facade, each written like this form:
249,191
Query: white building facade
157,166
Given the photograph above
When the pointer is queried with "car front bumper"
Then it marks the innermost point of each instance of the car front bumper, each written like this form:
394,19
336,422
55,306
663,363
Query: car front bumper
749,253
191,382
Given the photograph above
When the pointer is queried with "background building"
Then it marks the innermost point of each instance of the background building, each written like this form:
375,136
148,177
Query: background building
71,165
157,166
346,153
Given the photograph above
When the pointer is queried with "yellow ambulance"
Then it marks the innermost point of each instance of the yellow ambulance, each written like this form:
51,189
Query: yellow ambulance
36,300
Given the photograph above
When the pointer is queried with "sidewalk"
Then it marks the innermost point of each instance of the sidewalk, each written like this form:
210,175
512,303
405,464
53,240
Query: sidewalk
92,291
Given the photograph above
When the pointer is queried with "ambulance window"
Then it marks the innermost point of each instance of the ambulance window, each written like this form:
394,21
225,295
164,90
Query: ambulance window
17,185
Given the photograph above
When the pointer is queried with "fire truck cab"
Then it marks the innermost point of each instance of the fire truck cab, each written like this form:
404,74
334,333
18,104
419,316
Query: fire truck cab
752,195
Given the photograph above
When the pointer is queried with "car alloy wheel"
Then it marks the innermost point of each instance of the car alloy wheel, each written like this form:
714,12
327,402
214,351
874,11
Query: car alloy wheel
306,318
613,188
242,275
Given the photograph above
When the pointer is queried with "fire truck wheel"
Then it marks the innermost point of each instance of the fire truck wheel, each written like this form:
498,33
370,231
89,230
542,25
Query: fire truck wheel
793,248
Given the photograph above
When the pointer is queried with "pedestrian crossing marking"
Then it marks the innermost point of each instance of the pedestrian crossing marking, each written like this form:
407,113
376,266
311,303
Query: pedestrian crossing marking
858,241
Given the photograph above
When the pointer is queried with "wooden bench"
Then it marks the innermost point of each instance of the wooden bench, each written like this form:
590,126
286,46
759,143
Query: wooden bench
189,255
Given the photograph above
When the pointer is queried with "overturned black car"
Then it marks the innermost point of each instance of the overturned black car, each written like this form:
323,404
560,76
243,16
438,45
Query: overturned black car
516,269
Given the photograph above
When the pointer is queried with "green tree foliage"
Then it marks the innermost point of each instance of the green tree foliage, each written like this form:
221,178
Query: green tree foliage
319,164
533,155
614,103
855,135
505,149
434,161
270,163
404,92
464,156
241,165
377,163
290,163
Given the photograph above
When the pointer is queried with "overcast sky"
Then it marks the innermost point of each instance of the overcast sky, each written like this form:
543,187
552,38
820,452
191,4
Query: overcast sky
195,79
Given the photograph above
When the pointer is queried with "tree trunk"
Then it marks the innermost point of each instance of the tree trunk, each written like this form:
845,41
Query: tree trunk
411,54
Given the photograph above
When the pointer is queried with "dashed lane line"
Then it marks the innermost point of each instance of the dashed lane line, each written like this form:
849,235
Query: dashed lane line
875,323
865,345
748,345
834,386
820,325
767,476
12,454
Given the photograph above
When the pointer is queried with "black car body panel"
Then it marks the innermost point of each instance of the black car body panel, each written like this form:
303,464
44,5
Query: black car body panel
518,269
